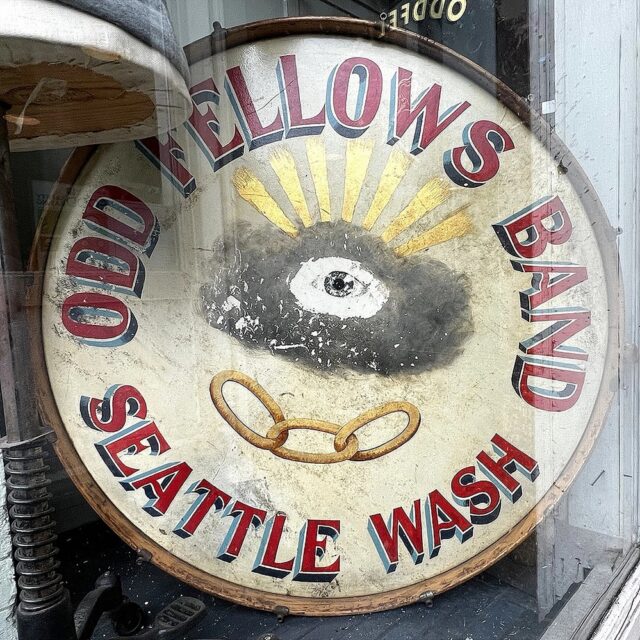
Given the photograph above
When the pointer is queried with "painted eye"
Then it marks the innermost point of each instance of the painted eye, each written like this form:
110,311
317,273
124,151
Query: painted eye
340,284
338,287
312,300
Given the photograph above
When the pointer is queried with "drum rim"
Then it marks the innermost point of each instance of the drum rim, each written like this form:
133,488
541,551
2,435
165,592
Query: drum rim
335,606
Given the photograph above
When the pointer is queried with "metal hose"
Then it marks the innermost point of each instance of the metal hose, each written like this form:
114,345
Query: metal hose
32,528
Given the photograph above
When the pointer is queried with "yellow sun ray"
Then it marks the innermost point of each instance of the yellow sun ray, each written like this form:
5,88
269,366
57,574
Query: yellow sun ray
432,194
284,165
455,226
249,188
358,156
395,169
318,165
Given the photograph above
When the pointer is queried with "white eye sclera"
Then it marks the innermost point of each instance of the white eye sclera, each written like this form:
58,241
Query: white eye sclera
338,287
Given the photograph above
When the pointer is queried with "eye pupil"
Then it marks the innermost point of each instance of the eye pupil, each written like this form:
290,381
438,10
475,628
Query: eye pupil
338,283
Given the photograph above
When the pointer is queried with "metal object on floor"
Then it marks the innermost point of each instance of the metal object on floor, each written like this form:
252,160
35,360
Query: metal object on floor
281,612
127,617
174,620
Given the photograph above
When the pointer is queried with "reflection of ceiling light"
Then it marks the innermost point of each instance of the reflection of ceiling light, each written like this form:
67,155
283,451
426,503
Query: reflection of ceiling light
100,54
24,121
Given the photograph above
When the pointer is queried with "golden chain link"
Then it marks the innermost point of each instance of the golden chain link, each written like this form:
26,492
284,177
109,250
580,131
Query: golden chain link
345,440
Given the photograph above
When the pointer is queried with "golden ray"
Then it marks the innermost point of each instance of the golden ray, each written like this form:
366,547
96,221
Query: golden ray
395,169
249,188
284,165
318,165
358,156
434,193
455,226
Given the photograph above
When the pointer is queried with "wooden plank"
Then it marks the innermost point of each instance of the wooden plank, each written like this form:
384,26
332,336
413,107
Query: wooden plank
70,79
622,621
578,619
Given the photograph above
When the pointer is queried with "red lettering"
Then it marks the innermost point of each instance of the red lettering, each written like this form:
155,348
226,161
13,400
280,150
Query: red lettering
98,320
564,383
484,141
407,527
547,281
139,437
105,263
266,562
169,157
161,485
368,101
295,124
443,522
109,414
243,516
527,233
256,134
208,497
118,214
426,111
312,548
205,127
550,341
481,496
511,460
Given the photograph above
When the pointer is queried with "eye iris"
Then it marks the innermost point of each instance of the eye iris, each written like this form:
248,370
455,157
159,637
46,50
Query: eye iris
339,284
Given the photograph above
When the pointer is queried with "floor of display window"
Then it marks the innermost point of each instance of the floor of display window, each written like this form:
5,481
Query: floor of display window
482,609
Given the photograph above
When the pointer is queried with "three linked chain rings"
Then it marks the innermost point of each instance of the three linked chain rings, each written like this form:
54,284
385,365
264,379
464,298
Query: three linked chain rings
345,441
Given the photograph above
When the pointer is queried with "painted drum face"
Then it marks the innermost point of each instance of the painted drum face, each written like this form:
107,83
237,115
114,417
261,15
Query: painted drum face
339,340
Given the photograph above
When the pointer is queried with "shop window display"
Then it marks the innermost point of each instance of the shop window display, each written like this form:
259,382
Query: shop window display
344,337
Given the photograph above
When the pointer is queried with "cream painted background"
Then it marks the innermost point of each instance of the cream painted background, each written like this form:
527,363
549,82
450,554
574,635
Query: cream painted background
175,353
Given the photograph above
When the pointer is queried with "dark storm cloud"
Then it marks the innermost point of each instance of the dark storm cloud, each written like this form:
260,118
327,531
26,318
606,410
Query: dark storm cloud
421,326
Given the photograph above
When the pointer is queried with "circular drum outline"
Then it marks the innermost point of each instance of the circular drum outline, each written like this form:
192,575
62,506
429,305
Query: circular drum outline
300,605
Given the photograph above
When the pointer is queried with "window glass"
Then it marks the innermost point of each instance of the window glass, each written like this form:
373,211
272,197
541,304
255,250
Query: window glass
332,315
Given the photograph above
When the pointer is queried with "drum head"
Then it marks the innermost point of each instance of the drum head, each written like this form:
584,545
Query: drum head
340,340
